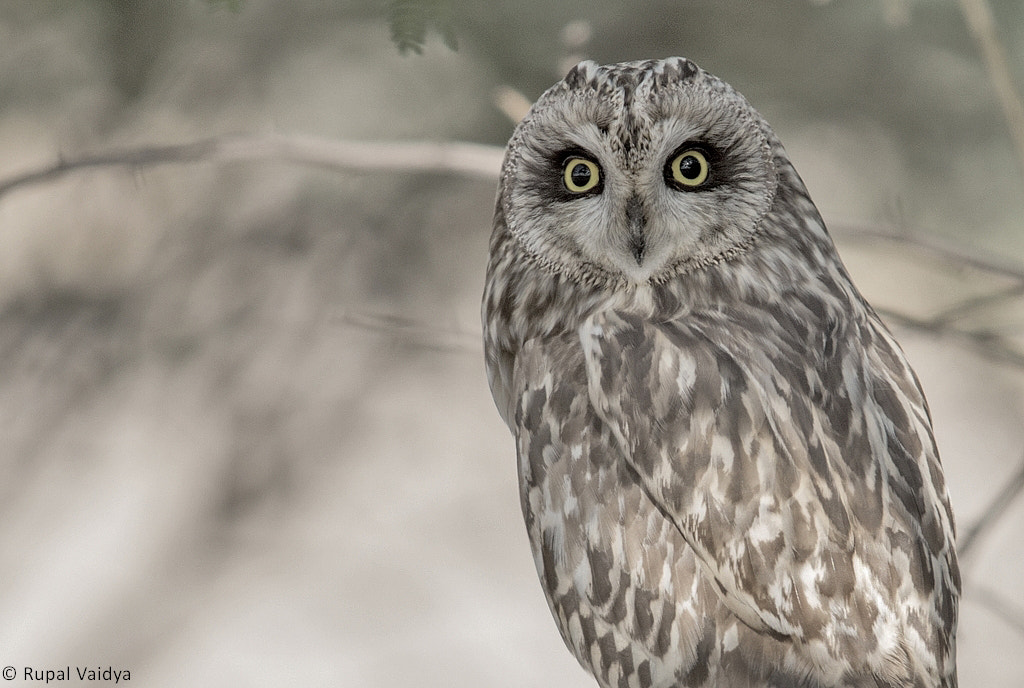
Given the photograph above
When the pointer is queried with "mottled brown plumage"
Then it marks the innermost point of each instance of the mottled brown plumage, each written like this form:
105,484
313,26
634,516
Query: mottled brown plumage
727,466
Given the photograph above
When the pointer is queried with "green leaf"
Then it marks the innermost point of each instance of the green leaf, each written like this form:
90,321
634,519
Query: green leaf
410,21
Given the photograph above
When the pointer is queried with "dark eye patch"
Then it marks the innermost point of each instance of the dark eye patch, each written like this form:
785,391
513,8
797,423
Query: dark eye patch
720,166
551,178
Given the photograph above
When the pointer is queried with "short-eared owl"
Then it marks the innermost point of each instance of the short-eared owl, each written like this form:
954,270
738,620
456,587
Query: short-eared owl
727,466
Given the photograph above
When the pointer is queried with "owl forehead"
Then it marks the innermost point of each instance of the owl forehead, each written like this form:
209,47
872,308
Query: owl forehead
632,107
626,77
628,98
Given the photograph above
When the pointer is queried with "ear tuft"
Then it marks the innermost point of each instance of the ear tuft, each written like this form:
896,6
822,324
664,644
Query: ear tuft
582,74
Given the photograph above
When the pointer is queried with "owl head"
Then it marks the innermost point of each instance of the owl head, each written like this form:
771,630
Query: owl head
636,171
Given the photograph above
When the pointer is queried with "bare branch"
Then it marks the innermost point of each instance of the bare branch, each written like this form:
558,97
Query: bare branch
1005,609
423,334
974,304
953,253
484,162
978,16
995,510
471,159
987,344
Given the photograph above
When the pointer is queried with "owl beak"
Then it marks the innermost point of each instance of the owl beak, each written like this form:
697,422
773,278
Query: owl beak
636,221
637,244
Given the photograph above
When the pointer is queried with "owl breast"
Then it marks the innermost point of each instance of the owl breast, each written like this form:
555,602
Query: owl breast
621,582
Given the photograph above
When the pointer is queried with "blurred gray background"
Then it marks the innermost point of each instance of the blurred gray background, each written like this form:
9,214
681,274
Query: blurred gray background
245,433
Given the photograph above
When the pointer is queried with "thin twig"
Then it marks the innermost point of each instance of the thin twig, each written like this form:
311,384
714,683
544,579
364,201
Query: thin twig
1005,609
995,510
471,159
986,344
951,252
978,16
421,333
974,304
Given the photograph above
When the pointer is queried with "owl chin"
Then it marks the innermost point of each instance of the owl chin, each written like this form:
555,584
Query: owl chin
639,272
641,266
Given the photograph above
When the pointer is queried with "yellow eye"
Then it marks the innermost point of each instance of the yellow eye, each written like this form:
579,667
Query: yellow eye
689,168
581,175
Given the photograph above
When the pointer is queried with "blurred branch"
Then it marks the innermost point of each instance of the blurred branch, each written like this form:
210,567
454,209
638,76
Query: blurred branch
986,344
471,159
414,331
484,162
512,103
969,306
1005,609
1000,504
978,15
955,254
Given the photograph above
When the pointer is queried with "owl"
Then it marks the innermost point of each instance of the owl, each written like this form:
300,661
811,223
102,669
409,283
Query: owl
727,467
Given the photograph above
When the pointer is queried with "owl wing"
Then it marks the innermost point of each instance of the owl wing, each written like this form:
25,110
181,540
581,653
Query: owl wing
811,516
